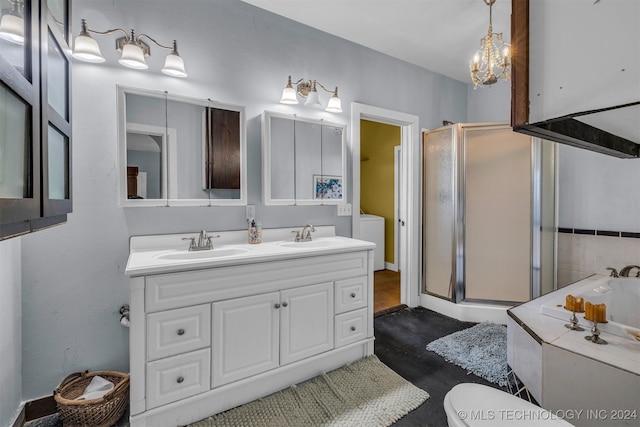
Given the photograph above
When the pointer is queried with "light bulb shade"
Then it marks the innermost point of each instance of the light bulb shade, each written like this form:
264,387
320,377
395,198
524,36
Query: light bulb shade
12,28
174,66
313,99
289,95
86,48
133,57
334,105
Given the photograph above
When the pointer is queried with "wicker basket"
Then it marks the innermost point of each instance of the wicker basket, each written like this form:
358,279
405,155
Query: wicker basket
102,412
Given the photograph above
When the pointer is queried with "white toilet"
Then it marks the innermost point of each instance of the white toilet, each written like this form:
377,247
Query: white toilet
471,405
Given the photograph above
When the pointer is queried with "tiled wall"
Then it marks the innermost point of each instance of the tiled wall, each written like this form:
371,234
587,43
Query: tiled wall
582,253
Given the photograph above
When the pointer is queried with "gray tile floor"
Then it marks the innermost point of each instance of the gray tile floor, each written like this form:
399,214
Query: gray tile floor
401,338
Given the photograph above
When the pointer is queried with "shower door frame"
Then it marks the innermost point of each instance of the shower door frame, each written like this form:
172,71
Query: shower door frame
458,207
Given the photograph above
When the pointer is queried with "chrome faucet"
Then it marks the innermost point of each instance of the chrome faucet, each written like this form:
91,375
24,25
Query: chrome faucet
625,271
305,234
204,241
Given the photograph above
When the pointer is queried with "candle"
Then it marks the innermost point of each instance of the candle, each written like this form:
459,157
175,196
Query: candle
569,302
595,312
602,313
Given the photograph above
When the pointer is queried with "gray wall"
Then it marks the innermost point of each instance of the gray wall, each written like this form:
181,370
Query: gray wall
10,330
489,104
73,275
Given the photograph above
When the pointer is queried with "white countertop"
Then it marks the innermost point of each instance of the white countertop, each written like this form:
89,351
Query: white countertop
622,353
148,254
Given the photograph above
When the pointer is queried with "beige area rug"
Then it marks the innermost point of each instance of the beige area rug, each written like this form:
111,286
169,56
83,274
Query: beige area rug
364,393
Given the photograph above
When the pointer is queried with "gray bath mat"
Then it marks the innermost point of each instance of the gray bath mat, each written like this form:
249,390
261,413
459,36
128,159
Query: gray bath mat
481,350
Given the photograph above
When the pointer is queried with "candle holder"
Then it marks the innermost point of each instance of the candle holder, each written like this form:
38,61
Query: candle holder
595,334
573,325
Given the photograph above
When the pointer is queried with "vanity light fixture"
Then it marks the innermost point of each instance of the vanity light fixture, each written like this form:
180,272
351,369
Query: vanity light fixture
491,58
131,47
12,22
309,89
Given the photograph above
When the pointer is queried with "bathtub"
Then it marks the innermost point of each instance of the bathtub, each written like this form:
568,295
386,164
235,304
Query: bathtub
622,297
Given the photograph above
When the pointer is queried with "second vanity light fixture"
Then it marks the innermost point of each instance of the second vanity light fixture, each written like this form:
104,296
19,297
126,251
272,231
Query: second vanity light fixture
309,89
133,50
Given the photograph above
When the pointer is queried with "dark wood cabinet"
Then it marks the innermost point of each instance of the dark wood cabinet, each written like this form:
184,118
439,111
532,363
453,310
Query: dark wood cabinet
223,149
35,117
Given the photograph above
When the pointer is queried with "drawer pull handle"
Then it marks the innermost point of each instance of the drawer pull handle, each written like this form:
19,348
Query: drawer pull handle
353,328
284,304
180,331
180,380
277,305
353,294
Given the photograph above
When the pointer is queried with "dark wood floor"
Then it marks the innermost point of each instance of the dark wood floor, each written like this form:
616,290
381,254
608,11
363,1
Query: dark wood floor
386,290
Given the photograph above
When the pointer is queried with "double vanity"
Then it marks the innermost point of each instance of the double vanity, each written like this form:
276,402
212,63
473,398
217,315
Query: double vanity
217,328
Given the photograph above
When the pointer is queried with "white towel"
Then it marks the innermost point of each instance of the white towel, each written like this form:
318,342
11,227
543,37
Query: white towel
97,388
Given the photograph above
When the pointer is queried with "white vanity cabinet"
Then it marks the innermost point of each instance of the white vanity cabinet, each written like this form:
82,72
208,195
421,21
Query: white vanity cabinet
261,332
206,340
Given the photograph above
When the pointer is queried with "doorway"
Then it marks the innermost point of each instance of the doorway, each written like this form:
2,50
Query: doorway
407,216
379,196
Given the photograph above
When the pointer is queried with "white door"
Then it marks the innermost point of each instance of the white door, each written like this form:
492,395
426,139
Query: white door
306,316
397,208
245,337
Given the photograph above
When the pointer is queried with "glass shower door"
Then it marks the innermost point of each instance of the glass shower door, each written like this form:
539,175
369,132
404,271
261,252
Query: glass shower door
439,167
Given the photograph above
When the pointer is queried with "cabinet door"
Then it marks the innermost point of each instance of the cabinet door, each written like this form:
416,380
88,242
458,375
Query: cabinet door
306,322
245,337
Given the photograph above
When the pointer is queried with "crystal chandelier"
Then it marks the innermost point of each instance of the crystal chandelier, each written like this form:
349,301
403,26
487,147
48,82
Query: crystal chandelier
491,62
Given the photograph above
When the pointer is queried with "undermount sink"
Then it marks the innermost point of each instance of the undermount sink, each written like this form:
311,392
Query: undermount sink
206,254
323,243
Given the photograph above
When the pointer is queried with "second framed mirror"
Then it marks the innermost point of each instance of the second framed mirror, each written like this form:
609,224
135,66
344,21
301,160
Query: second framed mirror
304,160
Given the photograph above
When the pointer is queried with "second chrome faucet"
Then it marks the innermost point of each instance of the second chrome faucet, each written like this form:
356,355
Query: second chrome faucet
625,271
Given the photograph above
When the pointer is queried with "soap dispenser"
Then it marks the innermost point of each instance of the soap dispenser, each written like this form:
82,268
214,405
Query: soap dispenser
255,231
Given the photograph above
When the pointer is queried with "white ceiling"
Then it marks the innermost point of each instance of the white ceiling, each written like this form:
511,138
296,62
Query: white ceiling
439,35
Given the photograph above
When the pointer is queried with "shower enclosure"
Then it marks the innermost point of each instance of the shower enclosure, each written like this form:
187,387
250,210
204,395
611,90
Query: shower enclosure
489,214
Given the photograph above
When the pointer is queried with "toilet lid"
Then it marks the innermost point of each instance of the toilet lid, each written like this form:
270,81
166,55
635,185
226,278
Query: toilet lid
480,405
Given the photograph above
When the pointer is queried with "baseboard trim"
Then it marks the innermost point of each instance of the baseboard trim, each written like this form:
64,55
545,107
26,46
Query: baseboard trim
21,419
39,408
34,409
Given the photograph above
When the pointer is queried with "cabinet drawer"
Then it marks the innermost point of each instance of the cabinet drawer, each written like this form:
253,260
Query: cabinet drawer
351,294
178,331
178,377
351,327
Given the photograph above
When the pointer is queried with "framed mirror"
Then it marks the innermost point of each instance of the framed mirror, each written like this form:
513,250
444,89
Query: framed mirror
304,160
179,151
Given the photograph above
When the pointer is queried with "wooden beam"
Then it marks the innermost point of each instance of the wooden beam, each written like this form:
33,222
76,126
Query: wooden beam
519,62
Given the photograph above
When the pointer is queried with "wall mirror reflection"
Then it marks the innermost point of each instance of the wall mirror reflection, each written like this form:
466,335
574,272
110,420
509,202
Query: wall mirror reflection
179,151
304,160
